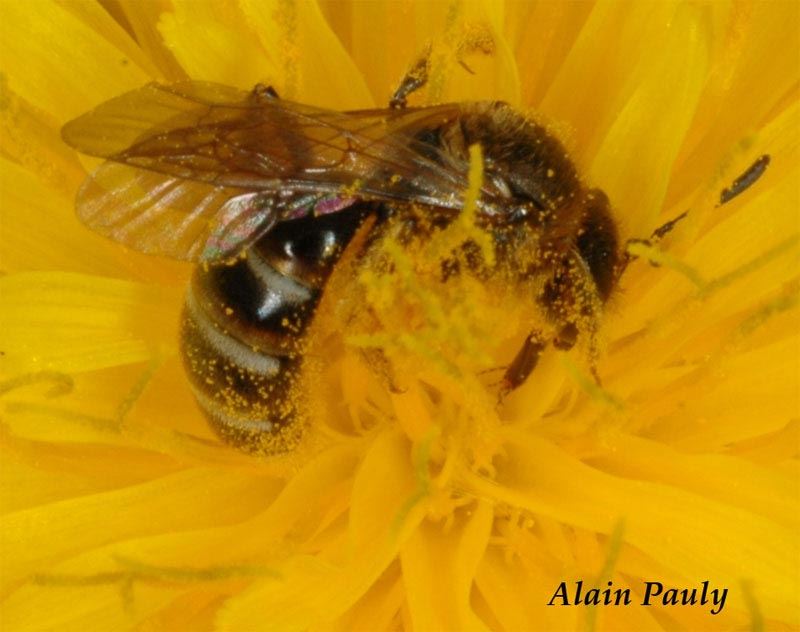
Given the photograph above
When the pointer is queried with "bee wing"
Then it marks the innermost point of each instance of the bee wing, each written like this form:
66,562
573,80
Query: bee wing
161,214
198,170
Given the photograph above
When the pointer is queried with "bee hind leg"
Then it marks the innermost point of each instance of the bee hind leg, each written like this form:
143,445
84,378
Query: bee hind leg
527,358
414,79
523,364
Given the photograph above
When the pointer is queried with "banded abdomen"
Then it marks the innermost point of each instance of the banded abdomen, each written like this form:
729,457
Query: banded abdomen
243,326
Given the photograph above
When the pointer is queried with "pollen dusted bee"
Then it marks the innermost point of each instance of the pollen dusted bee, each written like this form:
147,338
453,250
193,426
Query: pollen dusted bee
265,194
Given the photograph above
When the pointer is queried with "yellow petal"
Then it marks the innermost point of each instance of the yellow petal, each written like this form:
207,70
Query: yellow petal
377,609
90,322
100,20
53,607
96,69
707,544
454,30
711,413
735,482
316,69
34,539
230,52
38,473
31,140
501,583
311,590
755,71
546,35
438,566
143,20
645,136
41,232
596,78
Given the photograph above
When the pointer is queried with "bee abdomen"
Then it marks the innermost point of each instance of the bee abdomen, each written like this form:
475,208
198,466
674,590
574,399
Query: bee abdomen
243,331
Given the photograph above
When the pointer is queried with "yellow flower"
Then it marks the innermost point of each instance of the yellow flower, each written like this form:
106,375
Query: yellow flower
431,507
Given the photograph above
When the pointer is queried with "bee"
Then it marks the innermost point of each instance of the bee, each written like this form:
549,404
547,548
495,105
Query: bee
265,194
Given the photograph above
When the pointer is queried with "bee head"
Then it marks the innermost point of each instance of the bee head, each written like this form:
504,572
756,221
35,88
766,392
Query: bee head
523,164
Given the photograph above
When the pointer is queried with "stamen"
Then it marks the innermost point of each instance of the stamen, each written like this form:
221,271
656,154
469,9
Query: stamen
126,405
61,579
188,574
746,180
615,543
471,197
459,41
596,392
139,572
56,412
465,228
756,617
655,255
751,266
476,38
453,454
420,457
62,384
709,288
783,303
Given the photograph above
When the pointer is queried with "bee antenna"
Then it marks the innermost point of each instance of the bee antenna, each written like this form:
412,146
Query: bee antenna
656,236
667,227
739,186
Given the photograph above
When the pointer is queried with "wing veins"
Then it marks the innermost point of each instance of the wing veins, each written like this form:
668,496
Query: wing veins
218,159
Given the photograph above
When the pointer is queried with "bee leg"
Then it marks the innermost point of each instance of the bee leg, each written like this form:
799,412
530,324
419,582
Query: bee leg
414,79
523,363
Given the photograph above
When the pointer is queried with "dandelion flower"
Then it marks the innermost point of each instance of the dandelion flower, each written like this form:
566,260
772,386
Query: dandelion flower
427,506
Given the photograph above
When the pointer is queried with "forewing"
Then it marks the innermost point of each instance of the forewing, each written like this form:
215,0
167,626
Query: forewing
117,124
232,144
161,214
228,137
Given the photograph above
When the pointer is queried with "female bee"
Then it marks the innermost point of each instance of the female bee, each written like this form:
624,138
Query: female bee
264,194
